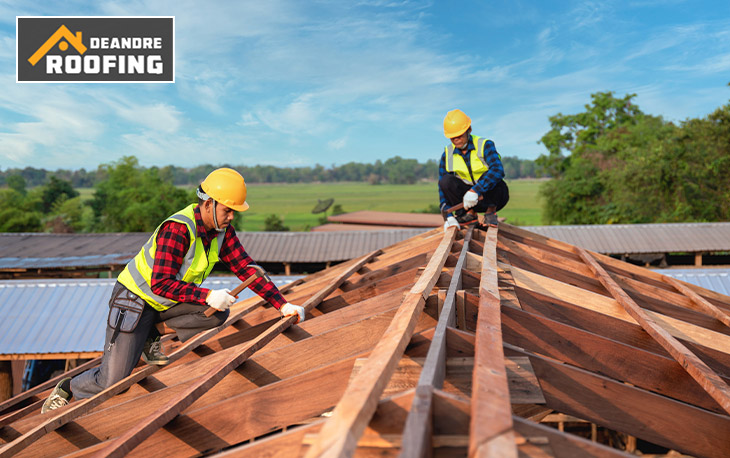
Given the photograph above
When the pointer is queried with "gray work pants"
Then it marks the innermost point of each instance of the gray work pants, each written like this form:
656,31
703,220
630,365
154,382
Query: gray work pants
120,358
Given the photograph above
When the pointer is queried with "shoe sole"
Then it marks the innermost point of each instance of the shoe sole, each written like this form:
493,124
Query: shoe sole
155,363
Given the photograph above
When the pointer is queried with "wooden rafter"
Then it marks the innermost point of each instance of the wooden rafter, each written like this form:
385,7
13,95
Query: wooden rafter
416,435
341,432
82,407
171,409
703,304
697,369
491,412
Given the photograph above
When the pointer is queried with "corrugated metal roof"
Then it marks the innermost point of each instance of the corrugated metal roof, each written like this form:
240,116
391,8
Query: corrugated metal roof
642,238
713,279
68,316
341,227
429,220
40,250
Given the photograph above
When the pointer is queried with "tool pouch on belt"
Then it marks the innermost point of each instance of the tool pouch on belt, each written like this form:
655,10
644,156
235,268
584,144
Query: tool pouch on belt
125,311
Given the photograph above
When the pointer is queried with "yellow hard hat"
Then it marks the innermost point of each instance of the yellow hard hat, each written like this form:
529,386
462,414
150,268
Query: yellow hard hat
456,123
227,187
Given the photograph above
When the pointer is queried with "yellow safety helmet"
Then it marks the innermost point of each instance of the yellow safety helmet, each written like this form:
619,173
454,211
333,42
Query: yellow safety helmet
456,123
227,187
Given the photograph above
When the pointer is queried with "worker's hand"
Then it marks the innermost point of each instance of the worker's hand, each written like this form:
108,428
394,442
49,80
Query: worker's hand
220,299
470,199
450,222
293,310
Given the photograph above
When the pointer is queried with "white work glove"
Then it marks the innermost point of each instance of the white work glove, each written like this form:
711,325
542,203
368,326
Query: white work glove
450,221
220,299
293,310
470,199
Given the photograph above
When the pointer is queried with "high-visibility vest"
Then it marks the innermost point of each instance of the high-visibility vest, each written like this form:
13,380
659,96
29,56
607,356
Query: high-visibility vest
469,173
196,266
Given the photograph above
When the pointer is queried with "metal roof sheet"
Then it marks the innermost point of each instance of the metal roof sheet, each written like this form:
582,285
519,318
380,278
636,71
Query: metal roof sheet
713,279
40,250
429,220
642,238
68,316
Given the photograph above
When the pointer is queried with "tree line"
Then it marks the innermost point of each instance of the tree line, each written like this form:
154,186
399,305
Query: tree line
613,163
130,198
396,170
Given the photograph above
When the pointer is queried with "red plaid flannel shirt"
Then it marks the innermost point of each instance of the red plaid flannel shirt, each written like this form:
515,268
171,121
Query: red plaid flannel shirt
173,242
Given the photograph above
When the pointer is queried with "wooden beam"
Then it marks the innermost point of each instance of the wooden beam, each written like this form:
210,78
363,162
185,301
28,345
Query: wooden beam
608,306
631,410
341,432
418,425
703,304
697,369
80,408
490,431
133,437
603,355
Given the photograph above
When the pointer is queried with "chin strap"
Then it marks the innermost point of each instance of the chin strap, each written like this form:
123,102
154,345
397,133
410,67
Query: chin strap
203,196
215,217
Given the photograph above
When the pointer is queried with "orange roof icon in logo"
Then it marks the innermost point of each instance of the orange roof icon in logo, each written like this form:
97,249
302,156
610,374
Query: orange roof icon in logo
62,33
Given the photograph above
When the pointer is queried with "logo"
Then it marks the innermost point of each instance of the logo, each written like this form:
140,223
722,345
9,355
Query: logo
95,49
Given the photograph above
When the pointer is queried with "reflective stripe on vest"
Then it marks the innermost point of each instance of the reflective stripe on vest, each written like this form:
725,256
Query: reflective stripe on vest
476,160
195,268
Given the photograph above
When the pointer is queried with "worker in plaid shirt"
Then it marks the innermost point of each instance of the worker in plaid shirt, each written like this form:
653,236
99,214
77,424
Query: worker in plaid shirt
159,290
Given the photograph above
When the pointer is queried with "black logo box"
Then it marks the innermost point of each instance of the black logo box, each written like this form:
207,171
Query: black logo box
32,33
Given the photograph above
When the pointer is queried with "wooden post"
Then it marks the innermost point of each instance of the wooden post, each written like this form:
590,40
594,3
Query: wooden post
287,268
6,380
698,259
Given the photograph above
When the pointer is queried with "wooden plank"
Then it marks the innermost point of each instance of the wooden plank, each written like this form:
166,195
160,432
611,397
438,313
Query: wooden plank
566,445
610,307
133,437
37,392
649,368
603,355
490,431
341,432
417,430
702,303
221,406
631,410
74,411
697,369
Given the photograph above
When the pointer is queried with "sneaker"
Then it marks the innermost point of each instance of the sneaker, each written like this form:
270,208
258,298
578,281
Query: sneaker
467,218
152,353
60,396
490,219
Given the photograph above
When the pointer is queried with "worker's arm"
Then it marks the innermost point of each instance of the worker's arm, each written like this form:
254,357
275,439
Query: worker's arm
442,172
236,258
173,241
495,173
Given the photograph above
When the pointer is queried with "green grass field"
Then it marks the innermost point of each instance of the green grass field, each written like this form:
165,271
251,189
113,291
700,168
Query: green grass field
294,202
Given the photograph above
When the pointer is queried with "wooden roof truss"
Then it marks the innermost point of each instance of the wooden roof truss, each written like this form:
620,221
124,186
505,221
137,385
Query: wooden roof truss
452,343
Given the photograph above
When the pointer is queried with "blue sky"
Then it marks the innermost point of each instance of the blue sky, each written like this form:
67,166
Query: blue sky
296,83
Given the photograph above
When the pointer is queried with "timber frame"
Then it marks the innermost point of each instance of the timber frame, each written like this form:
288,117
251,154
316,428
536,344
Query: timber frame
452,343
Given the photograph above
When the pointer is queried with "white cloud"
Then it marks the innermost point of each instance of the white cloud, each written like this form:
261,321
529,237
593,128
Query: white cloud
337,144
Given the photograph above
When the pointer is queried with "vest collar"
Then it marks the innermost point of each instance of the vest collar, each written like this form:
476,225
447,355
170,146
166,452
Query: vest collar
204,235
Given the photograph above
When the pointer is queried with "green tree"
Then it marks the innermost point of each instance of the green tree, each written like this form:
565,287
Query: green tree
134,199
17,183
54,190
273,223
615,164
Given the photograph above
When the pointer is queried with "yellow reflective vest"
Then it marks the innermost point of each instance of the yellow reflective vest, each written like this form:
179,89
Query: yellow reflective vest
469,173
196,266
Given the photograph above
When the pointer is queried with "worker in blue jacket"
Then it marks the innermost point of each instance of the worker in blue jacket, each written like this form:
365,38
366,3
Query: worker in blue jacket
470,172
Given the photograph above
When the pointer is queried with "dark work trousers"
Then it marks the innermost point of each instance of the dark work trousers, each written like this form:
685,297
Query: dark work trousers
454,190
121,357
